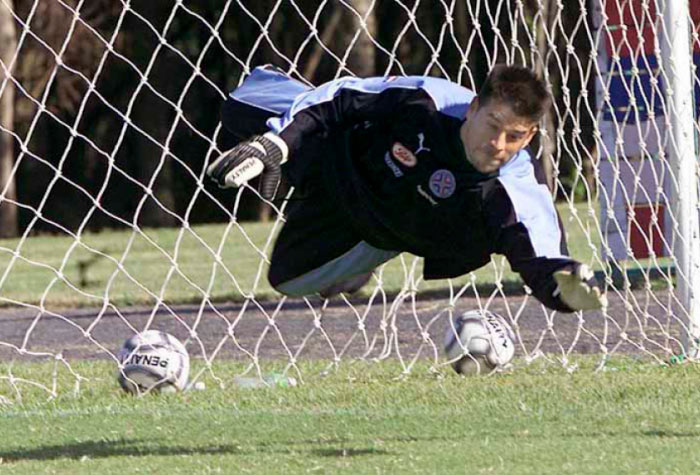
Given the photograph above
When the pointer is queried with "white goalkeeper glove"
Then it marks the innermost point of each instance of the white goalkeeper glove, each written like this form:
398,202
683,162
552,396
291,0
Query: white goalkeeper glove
261,154
578,288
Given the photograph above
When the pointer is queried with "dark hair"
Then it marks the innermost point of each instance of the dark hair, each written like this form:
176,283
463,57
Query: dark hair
519,88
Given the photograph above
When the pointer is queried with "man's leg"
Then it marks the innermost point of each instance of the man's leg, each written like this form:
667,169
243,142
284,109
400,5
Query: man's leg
346,273
347,286
317,253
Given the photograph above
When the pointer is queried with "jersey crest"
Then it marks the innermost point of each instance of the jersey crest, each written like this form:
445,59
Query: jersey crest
442,183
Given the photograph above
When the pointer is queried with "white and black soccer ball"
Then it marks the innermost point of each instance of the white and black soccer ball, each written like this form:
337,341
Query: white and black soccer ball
153,361
477,342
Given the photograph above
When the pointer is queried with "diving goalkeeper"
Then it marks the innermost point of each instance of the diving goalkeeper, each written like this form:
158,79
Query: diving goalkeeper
412,164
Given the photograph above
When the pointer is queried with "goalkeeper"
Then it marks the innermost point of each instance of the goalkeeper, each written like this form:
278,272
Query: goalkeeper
402,164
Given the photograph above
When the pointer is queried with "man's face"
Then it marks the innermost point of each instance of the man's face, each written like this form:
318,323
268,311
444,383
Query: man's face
493,134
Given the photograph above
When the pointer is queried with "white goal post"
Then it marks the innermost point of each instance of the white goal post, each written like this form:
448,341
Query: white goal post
683,156
109,116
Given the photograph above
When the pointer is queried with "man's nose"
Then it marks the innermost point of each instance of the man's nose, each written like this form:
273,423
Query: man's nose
499,141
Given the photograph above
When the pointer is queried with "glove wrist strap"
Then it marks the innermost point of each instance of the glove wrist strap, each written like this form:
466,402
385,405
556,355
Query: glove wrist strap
280,143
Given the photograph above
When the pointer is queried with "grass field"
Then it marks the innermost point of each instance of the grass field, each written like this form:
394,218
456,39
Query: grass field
632,418
180,266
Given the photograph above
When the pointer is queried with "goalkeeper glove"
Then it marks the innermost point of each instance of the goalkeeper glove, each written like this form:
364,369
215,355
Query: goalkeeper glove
578,288
261,154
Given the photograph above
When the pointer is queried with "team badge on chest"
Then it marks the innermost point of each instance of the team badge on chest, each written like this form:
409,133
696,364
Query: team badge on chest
403,155
442,183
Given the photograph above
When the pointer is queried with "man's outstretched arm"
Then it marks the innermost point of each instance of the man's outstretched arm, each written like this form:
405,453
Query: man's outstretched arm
524,226
559,283
335,105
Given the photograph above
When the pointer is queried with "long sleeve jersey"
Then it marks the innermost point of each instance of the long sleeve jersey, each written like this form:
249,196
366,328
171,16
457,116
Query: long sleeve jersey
392,156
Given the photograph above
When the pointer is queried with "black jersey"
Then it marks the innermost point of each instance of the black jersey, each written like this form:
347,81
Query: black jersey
390,151
407,185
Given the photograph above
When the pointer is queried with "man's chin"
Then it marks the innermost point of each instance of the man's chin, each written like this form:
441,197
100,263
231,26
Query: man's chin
488,167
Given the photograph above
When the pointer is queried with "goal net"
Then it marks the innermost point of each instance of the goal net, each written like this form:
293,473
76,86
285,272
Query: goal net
109,113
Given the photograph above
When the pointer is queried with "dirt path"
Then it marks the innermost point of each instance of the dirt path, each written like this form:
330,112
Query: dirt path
236,331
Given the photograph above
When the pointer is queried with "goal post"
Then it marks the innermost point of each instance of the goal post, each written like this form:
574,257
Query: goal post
116,118
683,156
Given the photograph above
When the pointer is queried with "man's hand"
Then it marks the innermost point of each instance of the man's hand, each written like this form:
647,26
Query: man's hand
578,288
261,154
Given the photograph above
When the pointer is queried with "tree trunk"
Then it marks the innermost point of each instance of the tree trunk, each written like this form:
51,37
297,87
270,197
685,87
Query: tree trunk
361,60
545,143
587,122
155,117
8,45
326,38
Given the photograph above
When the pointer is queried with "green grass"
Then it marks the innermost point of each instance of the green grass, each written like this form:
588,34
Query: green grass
180,266
632,418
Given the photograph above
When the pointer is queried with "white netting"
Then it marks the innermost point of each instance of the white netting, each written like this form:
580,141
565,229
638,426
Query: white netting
116,117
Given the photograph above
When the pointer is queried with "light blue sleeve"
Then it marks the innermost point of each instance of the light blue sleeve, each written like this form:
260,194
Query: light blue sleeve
533,205
269,89
448,98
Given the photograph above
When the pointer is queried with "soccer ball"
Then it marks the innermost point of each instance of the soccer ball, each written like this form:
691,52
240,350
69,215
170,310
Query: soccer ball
478,342
153,361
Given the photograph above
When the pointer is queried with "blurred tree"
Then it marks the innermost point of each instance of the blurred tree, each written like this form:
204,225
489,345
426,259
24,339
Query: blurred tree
61,52
153,114
8,51
544,144
359,35
562,57
115,101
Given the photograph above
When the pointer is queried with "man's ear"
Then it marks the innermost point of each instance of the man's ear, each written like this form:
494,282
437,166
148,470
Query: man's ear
473,107
530,135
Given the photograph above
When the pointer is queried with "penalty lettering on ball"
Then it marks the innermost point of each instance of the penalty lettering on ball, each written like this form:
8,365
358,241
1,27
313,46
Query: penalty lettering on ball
153,361
479,342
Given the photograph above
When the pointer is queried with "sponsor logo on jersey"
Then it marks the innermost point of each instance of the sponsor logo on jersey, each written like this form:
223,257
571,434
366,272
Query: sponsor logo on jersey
442,183
403,155
392,166
425,195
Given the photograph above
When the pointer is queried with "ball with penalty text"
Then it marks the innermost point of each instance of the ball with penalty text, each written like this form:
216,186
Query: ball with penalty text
479,342
153,361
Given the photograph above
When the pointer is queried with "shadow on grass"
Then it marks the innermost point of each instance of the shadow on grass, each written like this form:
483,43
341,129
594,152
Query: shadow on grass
624,434
670,434
349,452
104,448
146,447
93,449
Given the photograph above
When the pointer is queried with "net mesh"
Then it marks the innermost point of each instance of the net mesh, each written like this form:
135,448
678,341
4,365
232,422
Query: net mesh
116,117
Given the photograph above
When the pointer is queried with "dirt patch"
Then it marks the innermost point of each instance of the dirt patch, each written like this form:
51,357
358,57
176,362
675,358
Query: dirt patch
639,322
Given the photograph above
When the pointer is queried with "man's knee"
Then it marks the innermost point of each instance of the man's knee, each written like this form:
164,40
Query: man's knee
282,282
297,288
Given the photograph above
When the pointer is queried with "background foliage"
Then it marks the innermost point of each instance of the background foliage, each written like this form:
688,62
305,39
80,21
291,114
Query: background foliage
113,100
